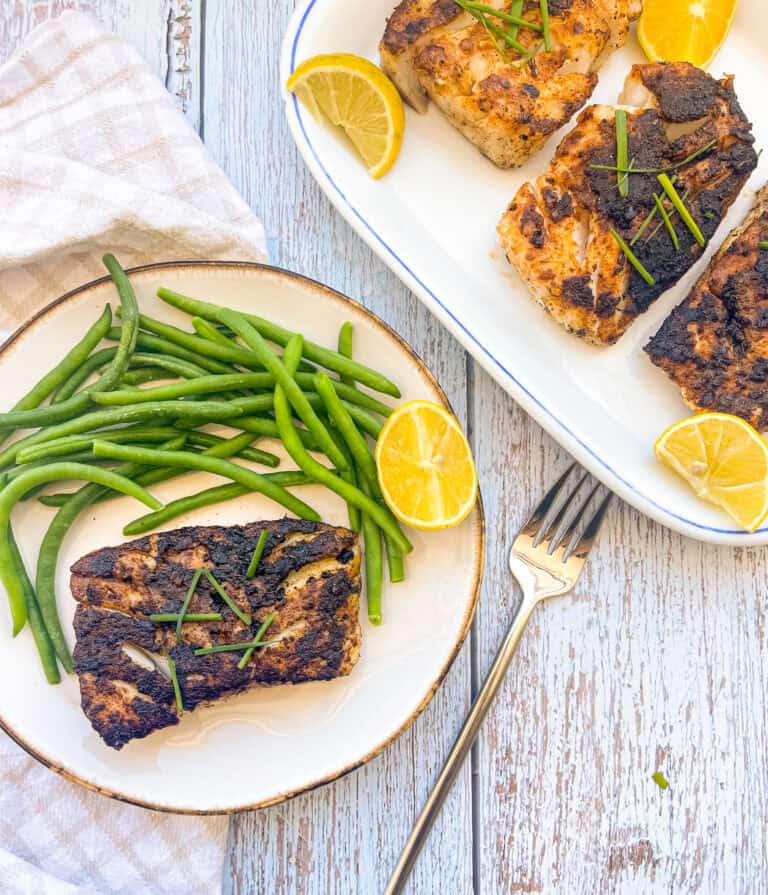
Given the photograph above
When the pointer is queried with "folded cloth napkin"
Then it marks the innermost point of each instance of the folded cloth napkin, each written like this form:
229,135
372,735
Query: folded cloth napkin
95,156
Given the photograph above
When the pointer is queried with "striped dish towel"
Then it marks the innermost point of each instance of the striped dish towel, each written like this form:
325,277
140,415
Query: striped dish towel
95,156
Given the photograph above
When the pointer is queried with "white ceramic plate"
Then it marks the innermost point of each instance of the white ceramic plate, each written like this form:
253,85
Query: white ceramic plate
433,218
296,737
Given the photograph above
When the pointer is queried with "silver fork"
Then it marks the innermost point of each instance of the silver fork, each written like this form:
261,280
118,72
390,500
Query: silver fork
547,558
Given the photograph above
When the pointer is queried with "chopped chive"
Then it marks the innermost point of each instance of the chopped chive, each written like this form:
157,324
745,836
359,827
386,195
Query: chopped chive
630,255
516,9
185,605
176,687
188,617
622,151
511,17
257,554
665,170
244,618
667,222
500,32
674,198
233,647
256,640
762,245
644,226
544,6
672,213
660,780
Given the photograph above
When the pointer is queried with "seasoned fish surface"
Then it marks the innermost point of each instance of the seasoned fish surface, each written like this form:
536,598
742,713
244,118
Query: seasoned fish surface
714,345
309,576
556,232
505,103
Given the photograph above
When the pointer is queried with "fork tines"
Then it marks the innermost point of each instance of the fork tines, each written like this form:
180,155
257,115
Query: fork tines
570,514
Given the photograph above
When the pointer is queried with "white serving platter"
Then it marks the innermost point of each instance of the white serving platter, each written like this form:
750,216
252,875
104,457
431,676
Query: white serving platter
432,219
268,744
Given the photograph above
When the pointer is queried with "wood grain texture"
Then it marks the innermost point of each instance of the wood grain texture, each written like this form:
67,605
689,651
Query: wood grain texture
657,661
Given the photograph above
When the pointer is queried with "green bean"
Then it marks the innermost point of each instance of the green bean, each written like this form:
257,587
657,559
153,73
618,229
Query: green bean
350,476
72,361
332,360
202,385
222,448
288,384
214,465
183,369
268,428
373,561
325,477
344,423
141,375
207,410
349,393
71,443
255,455
36,623
206,330
47,416
151,343
345,347
95,362
50,548
395,560
207,498
31,479
228,353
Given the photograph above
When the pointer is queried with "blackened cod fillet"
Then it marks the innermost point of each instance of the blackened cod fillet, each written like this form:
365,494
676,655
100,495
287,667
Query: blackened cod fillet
309,576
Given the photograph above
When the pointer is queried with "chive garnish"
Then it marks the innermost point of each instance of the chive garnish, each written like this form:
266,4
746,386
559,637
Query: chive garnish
233,647
516,9
500,32
185,605
493,30
660,780
256,640
244,618
622,151
685,215
665,170
762,245
544,6
644,226
176,687
257,554
667,222
630,255
510,17
672,213
188,617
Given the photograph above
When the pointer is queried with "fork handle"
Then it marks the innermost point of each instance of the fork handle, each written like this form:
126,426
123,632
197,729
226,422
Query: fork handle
465,739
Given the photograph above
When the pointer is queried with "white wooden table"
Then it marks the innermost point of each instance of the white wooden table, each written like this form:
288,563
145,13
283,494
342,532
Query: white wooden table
658,661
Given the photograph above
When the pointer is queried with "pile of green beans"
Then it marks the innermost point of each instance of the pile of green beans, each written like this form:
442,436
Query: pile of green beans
123,417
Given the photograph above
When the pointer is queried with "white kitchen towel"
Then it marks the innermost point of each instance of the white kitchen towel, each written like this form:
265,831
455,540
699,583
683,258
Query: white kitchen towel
95,156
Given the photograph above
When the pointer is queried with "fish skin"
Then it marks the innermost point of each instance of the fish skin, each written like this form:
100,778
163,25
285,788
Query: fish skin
309,575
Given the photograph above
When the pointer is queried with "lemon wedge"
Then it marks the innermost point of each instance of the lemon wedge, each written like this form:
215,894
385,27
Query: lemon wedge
684,30
724,460
355,95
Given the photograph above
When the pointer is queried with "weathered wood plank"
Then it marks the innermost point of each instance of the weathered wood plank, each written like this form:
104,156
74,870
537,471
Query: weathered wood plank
165,32
656,662
345,837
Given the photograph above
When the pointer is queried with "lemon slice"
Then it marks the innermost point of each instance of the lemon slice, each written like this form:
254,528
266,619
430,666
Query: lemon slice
724,460
355,95
684,30
426,471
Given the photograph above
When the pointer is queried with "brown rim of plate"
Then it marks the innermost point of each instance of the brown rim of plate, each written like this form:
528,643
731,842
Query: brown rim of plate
478,576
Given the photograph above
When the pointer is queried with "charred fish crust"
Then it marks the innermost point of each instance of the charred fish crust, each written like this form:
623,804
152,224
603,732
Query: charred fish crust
309,577
572,262
714,345
414,18
684,92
